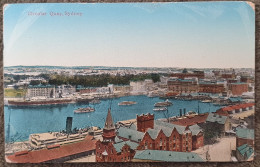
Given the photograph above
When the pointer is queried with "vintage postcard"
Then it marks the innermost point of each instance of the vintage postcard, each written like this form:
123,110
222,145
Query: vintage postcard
129,82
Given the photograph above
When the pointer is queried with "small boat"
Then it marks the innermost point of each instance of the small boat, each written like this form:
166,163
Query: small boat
206,101
126,103
95,101
163,104
160,109
84,110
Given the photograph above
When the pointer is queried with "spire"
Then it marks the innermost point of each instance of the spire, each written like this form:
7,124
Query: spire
109,121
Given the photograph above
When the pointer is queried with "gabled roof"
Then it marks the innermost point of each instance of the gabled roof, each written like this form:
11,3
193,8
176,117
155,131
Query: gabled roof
179,128
195,129
130,134
109,121
245,133
212,117
119,146
117,140
133,126
166,130
153,133
167,156
245,150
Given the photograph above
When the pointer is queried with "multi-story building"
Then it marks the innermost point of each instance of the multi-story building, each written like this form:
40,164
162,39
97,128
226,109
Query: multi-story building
208,87
88,90
238,88
47,91
183,85
111,148
63,90
121,145
161,135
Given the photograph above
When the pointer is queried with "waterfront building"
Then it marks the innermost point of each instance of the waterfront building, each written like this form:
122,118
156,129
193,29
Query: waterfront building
56,153
87,90
233,109
46,91
189,85
165,156
63,90
211,87
138,87
121,89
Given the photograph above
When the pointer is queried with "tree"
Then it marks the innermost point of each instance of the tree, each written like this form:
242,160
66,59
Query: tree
211,132
35,82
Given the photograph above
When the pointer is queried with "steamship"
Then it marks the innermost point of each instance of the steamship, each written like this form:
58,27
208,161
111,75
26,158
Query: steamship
38,102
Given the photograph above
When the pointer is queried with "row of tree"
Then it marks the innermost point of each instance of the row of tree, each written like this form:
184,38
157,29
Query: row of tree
100,80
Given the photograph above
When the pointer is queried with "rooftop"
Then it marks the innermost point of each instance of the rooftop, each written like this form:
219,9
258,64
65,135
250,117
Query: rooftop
167,156
212,117
53,152
119,146
41,86
245,150
130,134
245,133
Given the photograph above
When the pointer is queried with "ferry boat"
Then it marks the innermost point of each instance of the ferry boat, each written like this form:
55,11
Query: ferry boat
160,109
126,103
84,110
163,104
206,101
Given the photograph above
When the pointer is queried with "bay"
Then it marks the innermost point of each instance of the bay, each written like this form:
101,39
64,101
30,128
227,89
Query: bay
39,119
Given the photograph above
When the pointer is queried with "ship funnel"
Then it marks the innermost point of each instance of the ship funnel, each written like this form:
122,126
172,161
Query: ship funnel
68,125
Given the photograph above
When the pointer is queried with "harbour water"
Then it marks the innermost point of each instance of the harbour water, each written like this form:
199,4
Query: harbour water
38,119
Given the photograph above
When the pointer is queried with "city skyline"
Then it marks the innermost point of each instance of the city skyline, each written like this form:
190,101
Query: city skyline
191,35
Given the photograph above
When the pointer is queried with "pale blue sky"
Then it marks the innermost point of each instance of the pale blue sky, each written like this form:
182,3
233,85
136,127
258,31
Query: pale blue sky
196,34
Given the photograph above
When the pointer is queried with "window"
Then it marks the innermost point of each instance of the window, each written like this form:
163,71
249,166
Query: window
160,141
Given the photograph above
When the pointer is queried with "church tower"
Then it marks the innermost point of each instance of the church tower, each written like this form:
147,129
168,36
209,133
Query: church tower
109,133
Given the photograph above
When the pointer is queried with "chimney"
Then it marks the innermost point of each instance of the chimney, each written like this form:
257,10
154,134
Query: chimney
68,125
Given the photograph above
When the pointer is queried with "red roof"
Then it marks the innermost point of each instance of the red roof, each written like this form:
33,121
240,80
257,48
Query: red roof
192,120
224,110
221,112
54,152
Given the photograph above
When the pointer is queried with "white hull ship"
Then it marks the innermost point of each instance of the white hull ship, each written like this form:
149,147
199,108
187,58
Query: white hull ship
163,104
126,103
84,110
